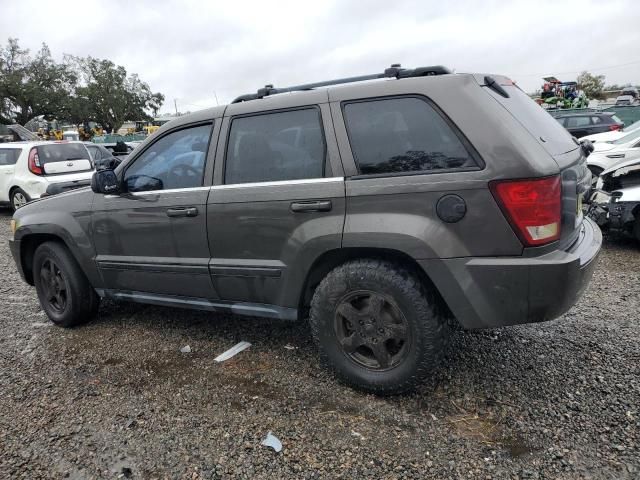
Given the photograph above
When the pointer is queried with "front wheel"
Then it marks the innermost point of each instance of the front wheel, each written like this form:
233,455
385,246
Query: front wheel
377,327
63,290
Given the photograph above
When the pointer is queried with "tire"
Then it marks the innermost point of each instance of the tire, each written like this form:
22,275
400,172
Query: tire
636,227
68,299
365,307
18,198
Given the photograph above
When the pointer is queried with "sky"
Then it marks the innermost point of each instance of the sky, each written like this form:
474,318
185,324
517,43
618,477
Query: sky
200,53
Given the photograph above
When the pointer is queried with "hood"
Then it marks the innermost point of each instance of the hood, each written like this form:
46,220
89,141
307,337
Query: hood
617,166
71,201
603,146
605,136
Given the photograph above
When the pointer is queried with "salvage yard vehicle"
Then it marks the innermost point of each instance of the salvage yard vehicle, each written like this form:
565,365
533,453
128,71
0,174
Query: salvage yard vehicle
28,168
615,204
382,207
607,154
612,135
101,156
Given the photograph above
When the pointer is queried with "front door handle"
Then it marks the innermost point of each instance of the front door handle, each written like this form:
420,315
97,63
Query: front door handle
316,206
182,212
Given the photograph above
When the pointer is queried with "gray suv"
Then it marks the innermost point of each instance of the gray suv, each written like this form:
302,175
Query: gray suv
383,208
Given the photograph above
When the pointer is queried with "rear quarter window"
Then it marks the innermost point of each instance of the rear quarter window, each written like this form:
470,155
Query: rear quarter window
9,156
403,135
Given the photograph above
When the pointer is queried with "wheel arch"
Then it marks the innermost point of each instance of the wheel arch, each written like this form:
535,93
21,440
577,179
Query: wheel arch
28,245
334,258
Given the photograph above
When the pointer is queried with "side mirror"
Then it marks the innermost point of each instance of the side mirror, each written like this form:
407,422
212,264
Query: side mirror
105,181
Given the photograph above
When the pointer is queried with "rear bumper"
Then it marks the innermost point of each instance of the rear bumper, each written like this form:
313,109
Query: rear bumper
495,292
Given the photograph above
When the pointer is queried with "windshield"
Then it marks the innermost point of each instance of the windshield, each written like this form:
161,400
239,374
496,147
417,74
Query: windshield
629,137
632,127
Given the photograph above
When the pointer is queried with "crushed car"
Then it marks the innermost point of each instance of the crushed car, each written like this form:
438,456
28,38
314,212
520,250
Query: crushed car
615,202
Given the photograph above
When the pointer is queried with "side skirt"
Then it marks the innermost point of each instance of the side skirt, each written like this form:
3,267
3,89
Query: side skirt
237,308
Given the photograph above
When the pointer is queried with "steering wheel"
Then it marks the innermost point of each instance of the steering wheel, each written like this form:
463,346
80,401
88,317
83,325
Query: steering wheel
184,170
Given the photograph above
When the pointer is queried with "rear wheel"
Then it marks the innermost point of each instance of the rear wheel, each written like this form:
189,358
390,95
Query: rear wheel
636,227
63,290
18,198
377,327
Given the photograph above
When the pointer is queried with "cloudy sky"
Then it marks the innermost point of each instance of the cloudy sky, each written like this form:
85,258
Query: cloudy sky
195,51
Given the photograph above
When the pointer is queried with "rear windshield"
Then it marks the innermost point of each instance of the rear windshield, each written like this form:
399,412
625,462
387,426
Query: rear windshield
62,152
9,156
544,128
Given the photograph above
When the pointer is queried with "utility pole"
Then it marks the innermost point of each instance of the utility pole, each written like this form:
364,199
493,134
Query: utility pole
214,94
175,104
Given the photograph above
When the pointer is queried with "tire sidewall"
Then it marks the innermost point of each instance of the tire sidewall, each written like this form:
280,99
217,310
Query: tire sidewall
422,325
43,253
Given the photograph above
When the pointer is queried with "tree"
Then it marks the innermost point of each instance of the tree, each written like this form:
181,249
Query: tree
30,87
77,90
113,96
592,85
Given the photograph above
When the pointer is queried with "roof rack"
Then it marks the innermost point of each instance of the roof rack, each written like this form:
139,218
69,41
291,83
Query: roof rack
395,71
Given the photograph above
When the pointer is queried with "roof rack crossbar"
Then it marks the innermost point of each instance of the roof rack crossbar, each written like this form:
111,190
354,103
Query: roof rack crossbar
395,71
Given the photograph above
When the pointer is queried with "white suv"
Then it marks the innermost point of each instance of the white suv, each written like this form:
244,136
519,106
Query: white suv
28,168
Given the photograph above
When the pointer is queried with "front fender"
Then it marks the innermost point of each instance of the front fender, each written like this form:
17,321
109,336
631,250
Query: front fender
69,223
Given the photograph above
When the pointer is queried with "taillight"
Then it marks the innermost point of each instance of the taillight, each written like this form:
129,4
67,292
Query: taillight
34,162
614,127
533,207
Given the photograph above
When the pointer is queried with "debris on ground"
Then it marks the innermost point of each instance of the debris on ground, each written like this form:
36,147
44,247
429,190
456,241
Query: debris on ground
186,349
237,348
272,441
290,347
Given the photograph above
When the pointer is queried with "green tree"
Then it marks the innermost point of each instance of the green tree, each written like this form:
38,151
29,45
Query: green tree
31,86
592,85
113,96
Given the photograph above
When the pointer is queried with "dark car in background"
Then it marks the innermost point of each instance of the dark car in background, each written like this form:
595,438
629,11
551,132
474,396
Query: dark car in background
582,124
101,156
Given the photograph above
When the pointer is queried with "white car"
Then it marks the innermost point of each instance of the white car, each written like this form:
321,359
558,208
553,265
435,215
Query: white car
607,154
28,168
614,135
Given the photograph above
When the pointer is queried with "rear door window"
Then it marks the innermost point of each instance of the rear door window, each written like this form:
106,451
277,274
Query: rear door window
57,158
574,122
9,156
275,146
405,134
542,126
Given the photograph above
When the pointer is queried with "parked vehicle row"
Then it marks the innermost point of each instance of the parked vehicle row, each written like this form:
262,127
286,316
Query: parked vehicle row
381,210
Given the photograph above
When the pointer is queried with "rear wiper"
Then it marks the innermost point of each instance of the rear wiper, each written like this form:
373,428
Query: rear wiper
495,86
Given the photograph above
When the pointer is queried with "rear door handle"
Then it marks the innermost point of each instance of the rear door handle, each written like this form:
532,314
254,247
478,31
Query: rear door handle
317,206
182,212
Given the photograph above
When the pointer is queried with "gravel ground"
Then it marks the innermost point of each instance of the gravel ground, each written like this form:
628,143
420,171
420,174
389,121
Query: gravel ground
117,399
